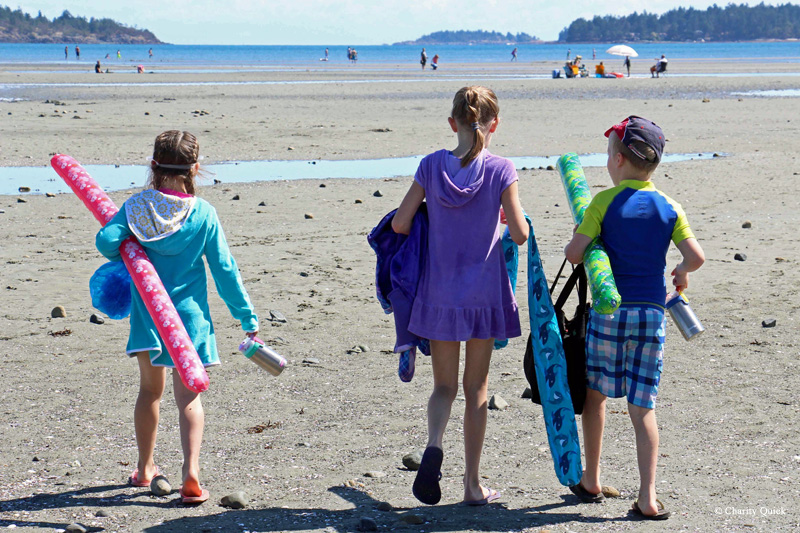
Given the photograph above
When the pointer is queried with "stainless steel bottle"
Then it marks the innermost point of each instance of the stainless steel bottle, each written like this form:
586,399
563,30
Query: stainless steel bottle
683,316
262,355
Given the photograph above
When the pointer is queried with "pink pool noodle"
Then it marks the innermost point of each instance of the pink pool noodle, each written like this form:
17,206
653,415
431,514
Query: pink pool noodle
156,299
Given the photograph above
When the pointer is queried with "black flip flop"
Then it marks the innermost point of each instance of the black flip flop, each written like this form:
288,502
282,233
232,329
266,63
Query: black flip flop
662,513
586,496
426,485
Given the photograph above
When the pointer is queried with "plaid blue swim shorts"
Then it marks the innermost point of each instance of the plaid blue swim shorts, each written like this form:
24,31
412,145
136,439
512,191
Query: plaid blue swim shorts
625,353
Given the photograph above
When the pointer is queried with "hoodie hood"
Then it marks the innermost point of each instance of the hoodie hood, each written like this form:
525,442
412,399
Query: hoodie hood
450,184
153,216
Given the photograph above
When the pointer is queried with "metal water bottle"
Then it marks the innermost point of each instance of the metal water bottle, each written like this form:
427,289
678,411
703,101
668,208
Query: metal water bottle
262,355
683,316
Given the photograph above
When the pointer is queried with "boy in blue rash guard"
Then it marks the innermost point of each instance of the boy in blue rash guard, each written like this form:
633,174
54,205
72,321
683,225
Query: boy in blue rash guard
624,351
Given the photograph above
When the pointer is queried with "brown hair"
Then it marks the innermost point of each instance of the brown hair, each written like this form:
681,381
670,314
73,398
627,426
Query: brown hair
179,148
475,107
647,165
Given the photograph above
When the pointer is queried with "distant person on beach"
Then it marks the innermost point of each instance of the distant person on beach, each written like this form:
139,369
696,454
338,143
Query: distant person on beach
594,54
326,54
514,54
624,350
108,56
150,52
464,294
600,70
659,67
569,51
627,64
119,54
355,56
78,53
349,53
66,52
97,68
178,230
423,59
435,62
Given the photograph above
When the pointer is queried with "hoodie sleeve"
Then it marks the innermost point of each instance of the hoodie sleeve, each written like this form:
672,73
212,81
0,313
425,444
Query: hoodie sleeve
109,239
226,276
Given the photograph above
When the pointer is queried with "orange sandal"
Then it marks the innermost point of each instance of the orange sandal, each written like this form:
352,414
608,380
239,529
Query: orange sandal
134,480
193,500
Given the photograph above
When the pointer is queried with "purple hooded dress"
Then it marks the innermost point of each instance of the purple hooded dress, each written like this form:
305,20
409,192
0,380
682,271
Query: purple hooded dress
464,292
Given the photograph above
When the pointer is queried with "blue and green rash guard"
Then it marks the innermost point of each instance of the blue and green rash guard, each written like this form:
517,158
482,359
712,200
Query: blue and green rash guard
636,223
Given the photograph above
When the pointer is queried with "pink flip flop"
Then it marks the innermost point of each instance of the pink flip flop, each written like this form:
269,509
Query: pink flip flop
492,496
134,480
192,500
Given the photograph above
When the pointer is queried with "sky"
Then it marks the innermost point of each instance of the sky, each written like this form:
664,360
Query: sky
346,22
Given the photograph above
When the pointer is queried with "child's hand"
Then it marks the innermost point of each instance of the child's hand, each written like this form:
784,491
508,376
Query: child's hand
503,216
252,334
680,279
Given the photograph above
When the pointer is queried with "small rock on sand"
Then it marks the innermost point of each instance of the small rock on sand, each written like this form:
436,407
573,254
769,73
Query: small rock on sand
747,224
527,393
75,528
50,195
94,319
277,316
367,524
102,513
58,312
740,257
769,323
377,194
610,492
497,402
234,500
384,506
413,519
24,189
262,204
308,216
235,197
359,201
159,486
22,201
413,460
374,474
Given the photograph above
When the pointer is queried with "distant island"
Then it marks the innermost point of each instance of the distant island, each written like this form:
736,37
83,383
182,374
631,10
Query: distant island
473,37
730,23
19,27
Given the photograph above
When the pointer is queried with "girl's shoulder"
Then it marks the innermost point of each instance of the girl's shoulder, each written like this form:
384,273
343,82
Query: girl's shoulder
499,162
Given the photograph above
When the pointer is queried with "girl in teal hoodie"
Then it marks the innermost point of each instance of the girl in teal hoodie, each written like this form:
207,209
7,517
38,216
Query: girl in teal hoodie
176,229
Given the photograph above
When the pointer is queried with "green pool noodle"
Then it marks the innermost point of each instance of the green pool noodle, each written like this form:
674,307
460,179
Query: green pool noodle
605,296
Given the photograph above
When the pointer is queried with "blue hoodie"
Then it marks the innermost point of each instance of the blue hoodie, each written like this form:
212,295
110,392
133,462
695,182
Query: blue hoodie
176,233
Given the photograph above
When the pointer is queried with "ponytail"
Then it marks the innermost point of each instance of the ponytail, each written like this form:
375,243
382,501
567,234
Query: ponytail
475,106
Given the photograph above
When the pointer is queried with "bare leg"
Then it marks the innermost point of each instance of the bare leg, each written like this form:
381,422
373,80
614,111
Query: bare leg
594,421
644,424
444,355
192,421
476,383
146,413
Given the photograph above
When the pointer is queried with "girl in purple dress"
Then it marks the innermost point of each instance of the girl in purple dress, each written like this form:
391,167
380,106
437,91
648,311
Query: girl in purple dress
464,294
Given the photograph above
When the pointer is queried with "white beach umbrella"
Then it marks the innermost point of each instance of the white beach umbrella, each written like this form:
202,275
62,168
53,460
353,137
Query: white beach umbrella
622,50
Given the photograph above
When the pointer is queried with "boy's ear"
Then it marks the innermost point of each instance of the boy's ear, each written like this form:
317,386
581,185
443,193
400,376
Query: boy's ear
619,160
453,124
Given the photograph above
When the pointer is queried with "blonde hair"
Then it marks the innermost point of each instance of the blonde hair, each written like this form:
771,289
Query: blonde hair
648,164
174,148
475,106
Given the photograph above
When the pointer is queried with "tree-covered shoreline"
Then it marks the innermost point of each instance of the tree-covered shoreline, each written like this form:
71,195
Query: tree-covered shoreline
19,27
730,23
473,37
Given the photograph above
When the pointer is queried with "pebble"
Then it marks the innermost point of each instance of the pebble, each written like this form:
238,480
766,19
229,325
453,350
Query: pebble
413,460
322,185
310,361
747,224
24,189
308,216
290,148
304,445
374,474
235,197
769,323
384,506
94,319
367,524
22,201
740,257
2,211
706,100
550,167
527,393
277,316
58,312
363,347
413,519
359,201
235,500
159,486
75,528
610,492
50,195
377,193
497,402
262,204
102,513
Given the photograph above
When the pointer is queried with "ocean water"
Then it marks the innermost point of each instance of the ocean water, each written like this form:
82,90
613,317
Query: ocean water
224,56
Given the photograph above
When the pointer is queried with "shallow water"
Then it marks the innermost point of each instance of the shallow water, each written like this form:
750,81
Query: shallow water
771,93
113,178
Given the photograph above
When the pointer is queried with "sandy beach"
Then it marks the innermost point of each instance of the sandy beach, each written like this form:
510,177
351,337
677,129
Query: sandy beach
319,447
